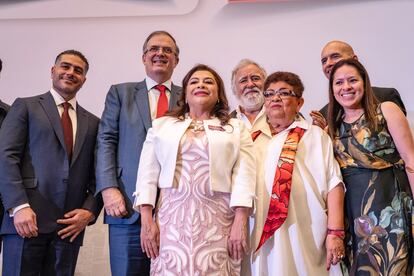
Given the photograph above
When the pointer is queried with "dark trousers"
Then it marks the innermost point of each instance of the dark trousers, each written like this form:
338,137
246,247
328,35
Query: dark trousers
44,255
127,258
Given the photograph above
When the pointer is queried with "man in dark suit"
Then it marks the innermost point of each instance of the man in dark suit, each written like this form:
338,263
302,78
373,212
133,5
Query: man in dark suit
3,107
129,110
335,51
3,112
47,145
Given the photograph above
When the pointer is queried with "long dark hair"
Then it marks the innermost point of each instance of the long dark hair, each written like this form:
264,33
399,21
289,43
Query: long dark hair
369,102
220,109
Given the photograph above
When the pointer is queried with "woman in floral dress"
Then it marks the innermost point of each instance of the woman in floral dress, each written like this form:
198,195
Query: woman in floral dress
375,150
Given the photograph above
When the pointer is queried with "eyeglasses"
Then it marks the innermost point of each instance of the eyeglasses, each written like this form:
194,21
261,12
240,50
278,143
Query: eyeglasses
281,93
155,49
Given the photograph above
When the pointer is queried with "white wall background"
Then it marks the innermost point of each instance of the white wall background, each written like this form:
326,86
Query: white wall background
280,36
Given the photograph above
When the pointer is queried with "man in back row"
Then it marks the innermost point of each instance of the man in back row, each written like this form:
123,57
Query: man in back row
247,81
335,51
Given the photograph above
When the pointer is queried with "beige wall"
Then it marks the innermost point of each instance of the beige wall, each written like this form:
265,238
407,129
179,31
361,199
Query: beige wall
280,36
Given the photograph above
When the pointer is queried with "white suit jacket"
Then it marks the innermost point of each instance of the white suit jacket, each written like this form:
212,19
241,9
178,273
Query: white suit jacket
232,163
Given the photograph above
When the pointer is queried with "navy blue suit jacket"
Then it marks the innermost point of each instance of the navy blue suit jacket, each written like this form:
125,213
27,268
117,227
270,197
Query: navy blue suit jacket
122,132
34,165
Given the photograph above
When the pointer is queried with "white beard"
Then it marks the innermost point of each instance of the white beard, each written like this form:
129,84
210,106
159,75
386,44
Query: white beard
252,101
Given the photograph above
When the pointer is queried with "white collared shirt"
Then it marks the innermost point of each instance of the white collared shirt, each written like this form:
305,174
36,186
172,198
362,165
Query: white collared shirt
240,115
154,94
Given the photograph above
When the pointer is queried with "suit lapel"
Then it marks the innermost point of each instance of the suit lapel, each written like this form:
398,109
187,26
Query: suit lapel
175,94
50,108
142,102
81,130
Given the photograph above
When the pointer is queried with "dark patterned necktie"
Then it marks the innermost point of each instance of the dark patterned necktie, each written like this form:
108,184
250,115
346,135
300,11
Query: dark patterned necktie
67,129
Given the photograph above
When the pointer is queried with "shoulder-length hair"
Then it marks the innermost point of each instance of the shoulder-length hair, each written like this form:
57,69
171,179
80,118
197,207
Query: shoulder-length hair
369,102
220,109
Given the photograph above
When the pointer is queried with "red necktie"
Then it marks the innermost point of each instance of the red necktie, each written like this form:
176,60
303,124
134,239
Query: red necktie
279,200
162,105
67,129
255,134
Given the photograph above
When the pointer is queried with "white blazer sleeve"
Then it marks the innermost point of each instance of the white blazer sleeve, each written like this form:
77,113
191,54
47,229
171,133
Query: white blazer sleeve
148,173
244,172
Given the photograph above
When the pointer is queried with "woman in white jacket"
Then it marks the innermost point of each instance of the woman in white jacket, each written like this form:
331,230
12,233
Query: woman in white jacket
202,162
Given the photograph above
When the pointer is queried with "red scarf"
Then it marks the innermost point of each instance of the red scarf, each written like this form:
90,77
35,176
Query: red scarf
279,200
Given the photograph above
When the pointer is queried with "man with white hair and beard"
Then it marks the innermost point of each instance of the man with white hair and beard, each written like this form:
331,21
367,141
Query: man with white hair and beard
247,80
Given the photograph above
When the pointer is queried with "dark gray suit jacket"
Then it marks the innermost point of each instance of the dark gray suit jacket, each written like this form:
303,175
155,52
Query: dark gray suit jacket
122,131
383,95
4,108
34,165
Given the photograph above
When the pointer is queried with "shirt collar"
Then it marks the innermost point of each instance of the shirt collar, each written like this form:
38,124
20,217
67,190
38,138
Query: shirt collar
151,83
299,122
259,123
59,99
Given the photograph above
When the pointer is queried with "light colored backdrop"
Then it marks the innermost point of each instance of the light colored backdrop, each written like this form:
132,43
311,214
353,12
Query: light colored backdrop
280,36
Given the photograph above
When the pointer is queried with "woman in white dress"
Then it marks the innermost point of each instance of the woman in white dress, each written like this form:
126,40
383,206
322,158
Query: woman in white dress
202,162
299,221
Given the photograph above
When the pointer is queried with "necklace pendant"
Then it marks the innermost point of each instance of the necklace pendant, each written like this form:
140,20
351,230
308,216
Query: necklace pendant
196,126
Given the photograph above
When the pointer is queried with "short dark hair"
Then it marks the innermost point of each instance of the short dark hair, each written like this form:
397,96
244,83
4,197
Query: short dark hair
1,65
74,53
288,77
155,33
220,109
369,102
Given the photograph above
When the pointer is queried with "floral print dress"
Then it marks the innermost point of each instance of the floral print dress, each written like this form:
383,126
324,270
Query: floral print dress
378,200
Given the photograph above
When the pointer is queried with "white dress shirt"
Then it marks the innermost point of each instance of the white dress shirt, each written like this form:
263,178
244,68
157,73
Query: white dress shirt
154,94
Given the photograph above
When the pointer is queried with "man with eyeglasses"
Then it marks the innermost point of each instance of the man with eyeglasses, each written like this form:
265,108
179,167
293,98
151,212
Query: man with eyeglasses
333,52
129,110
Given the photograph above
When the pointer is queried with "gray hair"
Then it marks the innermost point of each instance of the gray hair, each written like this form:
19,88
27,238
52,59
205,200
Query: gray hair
243,63
155,33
